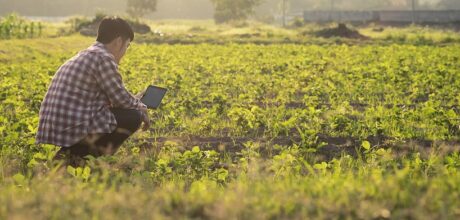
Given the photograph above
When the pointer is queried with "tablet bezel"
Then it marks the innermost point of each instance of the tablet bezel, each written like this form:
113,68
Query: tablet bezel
157,87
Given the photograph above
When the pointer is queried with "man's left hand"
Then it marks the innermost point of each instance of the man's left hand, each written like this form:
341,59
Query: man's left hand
140,94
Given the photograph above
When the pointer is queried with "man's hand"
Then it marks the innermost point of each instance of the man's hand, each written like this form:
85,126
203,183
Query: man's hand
145,117
140,94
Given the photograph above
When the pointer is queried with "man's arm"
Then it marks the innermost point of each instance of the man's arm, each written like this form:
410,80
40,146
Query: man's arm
110,81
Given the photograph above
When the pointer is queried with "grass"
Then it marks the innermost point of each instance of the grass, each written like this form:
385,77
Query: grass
18,50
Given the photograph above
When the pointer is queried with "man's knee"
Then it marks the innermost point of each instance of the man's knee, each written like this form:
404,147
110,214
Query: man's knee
137,123
129,119
134,120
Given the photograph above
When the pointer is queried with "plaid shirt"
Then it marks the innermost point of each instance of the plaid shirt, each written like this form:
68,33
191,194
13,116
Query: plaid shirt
78,100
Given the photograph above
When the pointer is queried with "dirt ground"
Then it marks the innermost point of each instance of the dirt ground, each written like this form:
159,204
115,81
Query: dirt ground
332,146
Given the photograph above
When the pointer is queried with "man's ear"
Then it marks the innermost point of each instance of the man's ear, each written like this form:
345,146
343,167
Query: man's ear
119,42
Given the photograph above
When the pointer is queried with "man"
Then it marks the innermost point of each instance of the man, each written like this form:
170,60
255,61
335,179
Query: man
87,110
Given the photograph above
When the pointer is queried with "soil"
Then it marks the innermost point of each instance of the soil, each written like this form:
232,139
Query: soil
341,31
334,146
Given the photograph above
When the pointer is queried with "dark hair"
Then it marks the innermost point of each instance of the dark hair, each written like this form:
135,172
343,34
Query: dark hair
113,27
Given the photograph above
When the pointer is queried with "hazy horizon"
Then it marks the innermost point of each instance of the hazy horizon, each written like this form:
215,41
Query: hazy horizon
196,9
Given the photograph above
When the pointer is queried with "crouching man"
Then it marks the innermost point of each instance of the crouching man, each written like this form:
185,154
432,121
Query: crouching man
87,109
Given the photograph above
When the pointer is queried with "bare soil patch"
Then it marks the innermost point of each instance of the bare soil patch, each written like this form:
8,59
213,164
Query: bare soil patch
333,146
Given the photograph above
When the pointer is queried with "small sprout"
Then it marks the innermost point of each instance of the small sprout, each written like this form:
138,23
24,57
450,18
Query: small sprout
19,179
320,166
366,145
196,149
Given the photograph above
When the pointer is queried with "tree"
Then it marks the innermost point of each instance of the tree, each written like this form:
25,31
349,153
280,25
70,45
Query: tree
231,10
140,8
449,4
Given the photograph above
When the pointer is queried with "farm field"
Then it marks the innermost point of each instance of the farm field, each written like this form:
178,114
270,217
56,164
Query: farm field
320,130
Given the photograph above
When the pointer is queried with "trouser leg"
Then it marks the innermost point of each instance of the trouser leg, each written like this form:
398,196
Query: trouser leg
128,122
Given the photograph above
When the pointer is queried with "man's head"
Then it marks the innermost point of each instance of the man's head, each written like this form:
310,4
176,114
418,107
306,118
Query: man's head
116,34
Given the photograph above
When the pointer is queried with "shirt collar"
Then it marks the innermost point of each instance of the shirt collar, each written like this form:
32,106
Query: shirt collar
102,47
99,44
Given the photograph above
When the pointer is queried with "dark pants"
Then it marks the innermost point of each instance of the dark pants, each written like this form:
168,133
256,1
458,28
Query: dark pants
128,122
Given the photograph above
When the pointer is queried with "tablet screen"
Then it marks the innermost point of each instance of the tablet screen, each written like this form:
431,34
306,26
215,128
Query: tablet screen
153,96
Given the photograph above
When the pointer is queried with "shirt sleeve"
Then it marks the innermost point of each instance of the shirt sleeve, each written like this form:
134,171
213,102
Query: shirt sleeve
110,81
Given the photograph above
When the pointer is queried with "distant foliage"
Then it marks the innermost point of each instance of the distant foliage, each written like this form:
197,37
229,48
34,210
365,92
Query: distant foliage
88,26
140,8
449,4
77,23
233,10
13,26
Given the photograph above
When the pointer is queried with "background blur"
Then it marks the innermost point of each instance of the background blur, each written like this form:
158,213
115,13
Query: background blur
203,9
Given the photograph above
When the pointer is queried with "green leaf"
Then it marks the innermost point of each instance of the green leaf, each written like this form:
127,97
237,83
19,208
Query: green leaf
135,150
366,145
40,156
162,163
320,166
381,152
223,173
196,149
32,163
71,170
86,173
19,178
78,171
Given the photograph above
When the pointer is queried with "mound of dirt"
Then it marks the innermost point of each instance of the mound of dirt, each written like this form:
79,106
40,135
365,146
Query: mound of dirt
340,31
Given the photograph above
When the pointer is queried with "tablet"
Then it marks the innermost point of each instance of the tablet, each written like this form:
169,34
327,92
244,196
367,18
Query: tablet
153,96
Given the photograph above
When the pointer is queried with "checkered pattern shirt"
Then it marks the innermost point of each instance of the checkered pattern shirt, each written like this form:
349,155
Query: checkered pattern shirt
78,100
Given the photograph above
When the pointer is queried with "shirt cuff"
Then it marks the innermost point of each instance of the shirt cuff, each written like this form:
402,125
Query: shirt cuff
141,105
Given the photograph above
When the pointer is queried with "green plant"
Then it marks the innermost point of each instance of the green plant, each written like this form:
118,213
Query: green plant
14,26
